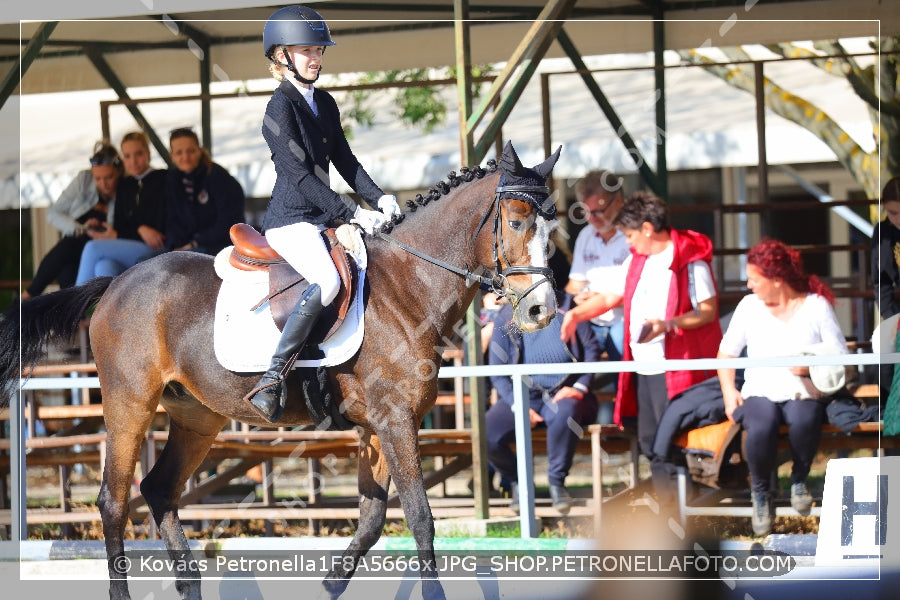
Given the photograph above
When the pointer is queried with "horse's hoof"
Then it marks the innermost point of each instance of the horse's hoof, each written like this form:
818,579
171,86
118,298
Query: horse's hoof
433,590
118,590
332,589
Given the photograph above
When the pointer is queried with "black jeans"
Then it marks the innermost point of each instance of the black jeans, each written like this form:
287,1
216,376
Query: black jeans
761,418
652,401
60,265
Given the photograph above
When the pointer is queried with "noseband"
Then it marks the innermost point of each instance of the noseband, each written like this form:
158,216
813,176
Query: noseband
496,280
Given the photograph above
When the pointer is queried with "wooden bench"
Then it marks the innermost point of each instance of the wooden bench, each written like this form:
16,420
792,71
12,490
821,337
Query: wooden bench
66,440
255,447
735,502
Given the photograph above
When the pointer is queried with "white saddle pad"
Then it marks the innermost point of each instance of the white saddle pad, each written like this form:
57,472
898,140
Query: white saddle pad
245,339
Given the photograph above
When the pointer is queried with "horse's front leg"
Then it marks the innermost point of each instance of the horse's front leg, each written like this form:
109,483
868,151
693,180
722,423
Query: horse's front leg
374,481
400,445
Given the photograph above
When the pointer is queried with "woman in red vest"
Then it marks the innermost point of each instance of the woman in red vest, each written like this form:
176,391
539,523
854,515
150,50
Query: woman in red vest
671,311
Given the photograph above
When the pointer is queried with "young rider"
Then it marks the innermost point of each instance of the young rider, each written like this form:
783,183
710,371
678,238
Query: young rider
303,130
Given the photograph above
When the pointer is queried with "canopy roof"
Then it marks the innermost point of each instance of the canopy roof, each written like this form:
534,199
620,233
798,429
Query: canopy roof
710,125
160,45
164,45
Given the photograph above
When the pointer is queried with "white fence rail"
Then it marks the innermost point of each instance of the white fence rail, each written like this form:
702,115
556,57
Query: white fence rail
520,390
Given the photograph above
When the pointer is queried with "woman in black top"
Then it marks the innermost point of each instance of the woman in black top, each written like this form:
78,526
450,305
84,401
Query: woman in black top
138,221
203,200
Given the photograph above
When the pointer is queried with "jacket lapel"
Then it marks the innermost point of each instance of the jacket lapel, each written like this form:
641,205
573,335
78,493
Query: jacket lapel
302,105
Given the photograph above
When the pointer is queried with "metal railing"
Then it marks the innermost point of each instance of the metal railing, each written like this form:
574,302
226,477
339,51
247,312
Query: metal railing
519,374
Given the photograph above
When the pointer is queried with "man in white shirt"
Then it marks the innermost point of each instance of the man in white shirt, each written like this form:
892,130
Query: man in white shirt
600,249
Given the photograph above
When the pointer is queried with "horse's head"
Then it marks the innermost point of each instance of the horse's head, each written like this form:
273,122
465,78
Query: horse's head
524,215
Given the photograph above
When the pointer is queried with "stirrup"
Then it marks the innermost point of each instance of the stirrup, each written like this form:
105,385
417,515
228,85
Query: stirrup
260,404
281,393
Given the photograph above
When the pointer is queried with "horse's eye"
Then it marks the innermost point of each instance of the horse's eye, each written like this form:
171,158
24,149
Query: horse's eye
515,225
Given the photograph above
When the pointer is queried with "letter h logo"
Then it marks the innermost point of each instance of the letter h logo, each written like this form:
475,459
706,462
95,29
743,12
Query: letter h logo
852,508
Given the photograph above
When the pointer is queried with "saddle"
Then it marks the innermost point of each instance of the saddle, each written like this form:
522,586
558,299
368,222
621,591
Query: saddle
252,252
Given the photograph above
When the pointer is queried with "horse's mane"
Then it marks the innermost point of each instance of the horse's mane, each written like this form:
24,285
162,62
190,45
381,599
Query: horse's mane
441,188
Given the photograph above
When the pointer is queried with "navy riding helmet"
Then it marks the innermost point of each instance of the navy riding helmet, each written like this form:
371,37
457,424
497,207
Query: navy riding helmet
295,26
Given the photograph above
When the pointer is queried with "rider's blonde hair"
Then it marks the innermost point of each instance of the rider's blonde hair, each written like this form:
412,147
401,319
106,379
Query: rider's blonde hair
276,70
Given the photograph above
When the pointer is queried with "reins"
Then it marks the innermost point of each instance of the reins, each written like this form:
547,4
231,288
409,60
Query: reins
468,274
496,280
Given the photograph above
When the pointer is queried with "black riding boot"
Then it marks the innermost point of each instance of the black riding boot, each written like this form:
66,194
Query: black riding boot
268,397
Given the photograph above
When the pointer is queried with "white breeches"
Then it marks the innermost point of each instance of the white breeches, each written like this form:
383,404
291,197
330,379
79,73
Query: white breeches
302,247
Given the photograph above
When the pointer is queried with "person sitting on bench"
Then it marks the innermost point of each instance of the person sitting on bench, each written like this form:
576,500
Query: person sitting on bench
562,403
789,313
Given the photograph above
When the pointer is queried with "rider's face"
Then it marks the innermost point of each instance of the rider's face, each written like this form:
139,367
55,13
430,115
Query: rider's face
307,60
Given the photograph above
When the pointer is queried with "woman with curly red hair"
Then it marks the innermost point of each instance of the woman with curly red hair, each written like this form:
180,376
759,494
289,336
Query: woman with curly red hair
789,313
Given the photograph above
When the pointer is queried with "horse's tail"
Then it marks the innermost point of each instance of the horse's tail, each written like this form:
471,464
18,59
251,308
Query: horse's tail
39,321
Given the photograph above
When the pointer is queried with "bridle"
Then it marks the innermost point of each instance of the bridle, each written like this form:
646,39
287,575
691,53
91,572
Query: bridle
495,280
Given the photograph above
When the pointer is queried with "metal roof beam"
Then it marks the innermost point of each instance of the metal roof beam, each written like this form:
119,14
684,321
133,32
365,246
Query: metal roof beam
603,102
11,81
198,42
494,11
659,75
516,74
119,88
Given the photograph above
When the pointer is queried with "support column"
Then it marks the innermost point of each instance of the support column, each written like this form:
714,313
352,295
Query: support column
477,393
659,48
762,170
205,110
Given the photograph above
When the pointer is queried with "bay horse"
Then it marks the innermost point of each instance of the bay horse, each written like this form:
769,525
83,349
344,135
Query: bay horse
151,332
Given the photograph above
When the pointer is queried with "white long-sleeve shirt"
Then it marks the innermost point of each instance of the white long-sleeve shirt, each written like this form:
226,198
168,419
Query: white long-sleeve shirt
814,325
79,197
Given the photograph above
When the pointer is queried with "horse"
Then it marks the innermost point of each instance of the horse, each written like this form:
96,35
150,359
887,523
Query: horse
151,331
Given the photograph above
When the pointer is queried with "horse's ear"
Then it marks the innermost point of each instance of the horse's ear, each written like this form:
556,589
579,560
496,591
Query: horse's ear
546,167
509,160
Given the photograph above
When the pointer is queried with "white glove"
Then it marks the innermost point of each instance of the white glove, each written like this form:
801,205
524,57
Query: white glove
388,205
369,220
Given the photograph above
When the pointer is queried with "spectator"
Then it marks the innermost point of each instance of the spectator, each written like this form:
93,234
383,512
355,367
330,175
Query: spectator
789,313
886,251
599,249
670,307
555,401
81,213
203,200
139,219
886,267
491,303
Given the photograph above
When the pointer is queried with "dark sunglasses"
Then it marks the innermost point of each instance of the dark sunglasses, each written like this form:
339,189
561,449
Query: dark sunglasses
101,159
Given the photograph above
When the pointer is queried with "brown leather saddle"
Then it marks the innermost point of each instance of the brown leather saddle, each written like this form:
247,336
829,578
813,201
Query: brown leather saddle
252,253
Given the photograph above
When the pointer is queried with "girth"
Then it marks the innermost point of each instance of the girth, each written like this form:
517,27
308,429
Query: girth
252,252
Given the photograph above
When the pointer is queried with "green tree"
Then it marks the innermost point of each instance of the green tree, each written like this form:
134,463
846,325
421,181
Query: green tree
882,97
416,106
